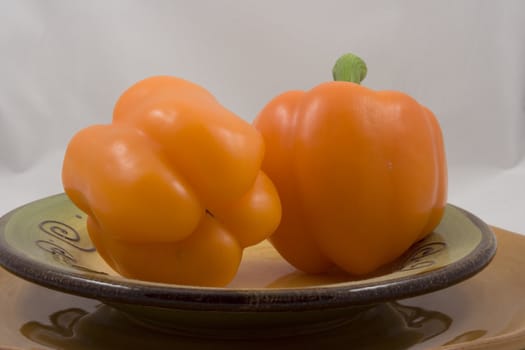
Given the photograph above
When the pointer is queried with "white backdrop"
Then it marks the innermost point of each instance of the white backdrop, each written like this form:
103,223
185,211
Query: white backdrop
64,63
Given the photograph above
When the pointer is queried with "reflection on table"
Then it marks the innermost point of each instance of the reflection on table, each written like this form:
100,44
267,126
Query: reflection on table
390,326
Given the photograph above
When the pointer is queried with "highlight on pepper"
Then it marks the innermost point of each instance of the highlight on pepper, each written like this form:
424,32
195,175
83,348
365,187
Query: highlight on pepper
361,173
172,187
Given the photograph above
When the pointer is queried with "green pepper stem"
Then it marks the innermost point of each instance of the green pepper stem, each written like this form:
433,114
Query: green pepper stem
349,67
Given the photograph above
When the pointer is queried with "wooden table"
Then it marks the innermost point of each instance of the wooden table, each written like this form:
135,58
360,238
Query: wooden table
484,312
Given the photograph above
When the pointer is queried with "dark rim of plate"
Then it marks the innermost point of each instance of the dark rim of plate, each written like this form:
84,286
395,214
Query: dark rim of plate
341,295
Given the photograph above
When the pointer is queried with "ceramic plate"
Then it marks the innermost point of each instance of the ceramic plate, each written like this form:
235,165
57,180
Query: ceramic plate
46,242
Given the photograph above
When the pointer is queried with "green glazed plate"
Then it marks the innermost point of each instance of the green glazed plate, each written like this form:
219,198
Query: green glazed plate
46,242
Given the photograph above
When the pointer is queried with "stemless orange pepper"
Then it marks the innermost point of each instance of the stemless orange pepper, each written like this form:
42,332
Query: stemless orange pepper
361,174
172,187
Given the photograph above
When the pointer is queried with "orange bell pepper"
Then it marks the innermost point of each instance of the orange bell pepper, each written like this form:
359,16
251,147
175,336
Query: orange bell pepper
173,187
361,174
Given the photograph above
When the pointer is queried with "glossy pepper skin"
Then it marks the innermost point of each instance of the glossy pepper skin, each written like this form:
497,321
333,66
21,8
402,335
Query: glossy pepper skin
361,175
172,187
